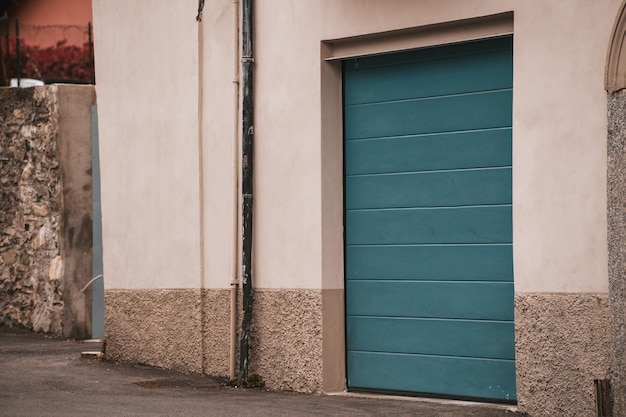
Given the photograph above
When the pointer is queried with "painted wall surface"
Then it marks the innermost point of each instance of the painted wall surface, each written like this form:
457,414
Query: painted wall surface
559,133
148,113
154,207
220,141
559,152
169,138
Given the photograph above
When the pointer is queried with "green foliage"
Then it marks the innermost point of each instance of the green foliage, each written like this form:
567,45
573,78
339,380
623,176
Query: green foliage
253,381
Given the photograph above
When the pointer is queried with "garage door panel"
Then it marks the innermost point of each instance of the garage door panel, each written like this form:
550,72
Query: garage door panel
450,376
464,112
430,262
420,56
469,149
485,224
462,338
429,189
431,299
483,72
428,221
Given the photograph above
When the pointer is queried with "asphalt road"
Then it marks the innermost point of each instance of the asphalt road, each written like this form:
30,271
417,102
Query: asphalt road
43,376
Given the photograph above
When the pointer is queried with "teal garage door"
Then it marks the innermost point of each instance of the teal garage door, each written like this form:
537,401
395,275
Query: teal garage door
429,268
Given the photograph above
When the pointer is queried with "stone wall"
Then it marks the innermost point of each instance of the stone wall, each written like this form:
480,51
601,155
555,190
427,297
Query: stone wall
37,153
616,204
30,208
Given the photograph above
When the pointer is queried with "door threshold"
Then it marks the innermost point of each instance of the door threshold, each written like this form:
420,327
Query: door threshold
506,407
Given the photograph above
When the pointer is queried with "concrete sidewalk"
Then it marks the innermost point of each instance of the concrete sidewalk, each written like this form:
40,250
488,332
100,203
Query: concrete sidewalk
43,376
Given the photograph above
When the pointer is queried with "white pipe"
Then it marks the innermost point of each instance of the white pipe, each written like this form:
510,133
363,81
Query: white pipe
235,149
201,173
233,329
91,282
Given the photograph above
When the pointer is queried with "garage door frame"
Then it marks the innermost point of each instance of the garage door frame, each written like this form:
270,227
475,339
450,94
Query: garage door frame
428,156
332,52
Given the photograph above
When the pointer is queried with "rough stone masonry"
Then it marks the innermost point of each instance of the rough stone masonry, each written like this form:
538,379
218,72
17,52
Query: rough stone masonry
30,204
45,208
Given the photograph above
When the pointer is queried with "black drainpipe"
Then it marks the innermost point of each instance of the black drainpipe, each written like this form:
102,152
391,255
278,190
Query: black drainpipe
247,141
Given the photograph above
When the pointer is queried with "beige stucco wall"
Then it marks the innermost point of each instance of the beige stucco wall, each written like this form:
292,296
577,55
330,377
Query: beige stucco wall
155,327
559,138
561,345
220,143
148,110
559,176
169,151
559,152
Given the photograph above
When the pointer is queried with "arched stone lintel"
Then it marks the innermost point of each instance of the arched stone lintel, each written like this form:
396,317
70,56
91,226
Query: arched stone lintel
615,74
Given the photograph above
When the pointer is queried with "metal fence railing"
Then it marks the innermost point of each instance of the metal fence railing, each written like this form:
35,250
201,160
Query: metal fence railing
48,54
